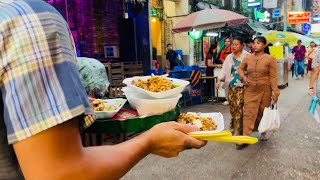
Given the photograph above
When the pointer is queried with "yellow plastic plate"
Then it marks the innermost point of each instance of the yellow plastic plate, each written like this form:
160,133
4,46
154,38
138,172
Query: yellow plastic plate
233,139
210,135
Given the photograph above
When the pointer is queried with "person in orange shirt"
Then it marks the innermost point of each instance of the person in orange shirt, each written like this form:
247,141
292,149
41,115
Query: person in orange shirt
226,50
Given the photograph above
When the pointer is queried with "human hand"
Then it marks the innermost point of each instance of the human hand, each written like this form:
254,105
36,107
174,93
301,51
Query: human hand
169,139
274,98
311,92
218,84
91,99
245,80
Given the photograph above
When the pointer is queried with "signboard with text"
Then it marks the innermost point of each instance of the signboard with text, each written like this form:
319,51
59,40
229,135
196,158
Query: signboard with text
299,17
254,3
306,27
276,13
276,51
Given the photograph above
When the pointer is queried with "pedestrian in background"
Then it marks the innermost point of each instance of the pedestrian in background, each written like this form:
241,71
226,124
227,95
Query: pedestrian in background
310,55
249,45
260,85
299,52
172,57
315,74
223,55
236,89
210,63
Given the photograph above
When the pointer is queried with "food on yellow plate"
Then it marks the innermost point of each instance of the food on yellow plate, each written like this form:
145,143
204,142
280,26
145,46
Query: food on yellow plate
154,84
204,123
98,105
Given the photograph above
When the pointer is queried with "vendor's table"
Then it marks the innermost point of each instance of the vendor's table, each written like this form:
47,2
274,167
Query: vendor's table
135,125
212,79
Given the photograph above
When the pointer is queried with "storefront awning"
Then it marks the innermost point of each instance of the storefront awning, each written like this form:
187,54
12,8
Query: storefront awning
257,27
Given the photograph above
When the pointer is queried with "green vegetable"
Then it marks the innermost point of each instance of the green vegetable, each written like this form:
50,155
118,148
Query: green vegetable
175,85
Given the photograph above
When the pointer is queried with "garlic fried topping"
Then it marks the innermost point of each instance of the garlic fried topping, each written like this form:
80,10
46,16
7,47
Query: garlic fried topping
204,123
154,84
98,105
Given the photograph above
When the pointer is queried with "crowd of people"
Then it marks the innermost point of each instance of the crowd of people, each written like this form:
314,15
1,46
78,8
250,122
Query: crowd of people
303,58
249,77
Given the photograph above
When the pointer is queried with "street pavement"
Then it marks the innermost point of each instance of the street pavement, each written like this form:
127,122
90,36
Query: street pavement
291,153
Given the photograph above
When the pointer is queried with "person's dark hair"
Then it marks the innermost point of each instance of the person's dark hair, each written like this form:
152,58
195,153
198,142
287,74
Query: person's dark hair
239,39
312,42
261,39
226,39
169,44
212,47
264,41
248,40
267,50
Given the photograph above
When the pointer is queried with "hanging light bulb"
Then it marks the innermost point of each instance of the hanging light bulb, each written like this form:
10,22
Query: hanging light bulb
154,20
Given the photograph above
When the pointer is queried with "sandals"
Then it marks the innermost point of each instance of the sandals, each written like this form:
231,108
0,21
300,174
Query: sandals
241,146
263,137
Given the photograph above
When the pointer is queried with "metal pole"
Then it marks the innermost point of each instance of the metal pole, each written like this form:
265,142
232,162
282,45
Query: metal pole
285,20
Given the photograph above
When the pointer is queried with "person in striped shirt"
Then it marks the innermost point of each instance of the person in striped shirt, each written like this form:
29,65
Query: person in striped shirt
44,105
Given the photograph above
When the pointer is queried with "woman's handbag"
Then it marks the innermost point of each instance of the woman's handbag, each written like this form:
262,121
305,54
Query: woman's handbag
270,120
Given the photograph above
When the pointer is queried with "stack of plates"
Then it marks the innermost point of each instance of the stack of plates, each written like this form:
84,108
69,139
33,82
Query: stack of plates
149,103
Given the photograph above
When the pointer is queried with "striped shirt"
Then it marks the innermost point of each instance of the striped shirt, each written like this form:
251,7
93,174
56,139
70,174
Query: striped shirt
40,84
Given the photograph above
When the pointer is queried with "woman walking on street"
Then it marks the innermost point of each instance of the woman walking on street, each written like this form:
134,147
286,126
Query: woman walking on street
260,85
236,89
299,52
310,55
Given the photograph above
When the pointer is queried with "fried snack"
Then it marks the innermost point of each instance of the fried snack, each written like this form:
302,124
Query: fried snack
98,105
204,123
154,84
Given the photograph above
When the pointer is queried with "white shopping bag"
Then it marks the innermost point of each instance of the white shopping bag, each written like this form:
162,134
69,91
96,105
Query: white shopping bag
270,120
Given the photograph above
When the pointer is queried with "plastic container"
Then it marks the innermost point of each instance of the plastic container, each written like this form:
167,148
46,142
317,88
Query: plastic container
158,95
218,118
313,105
148,106
119,103
129,93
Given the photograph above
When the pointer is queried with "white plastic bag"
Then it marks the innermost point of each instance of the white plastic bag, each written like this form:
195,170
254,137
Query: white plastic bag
270,120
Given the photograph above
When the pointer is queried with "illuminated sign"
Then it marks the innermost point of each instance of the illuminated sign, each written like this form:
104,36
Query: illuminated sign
254,3
306,27
156,13
276,13
261,16
195,35
299,17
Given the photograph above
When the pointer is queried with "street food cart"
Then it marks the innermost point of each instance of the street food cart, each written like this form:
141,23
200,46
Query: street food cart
279,52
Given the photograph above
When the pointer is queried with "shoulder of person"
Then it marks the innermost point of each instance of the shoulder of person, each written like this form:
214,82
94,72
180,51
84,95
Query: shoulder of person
249,56
229,57
245,53
272,58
